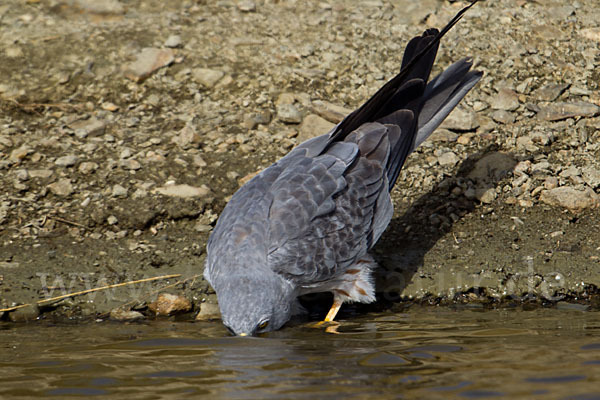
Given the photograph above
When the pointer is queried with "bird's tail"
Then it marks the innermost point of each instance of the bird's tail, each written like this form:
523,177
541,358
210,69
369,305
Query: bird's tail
410,102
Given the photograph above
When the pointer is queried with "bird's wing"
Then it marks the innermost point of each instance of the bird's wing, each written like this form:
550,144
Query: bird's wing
328,210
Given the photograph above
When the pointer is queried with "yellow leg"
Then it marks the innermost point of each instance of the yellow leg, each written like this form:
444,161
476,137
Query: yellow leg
335,307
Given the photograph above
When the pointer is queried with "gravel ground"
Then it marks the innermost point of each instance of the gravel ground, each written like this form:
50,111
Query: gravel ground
125,126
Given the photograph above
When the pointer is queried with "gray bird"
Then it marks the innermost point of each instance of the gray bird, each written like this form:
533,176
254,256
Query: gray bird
306,223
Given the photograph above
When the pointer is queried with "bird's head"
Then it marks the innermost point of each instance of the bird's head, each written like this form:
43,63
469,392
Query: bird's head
253,304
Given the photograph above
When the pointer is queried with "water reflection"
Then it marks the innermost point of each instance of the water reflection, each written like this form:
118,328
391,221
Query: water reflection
422,353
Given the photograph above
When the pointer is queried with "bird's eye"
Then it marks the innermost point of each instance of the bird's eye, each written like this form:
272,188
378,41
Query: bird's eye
263,325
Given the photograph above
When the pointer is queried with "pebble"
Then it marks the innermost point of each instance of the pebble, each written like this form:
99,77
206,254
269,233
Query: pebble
331,112
313,126
148,61
168,304
20,153
570,198
119,191
461,120
561,110
183,191
506,99
62,187
246,5
492,167
208,312
591,176
207,77
551,92
289,114
66,161
503,116
173,41
87,167
118,314
25,314
89,127
448,159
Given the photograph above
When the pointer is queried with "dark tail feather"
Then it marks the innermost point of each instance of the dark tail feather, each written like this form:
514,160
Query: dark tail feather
413,66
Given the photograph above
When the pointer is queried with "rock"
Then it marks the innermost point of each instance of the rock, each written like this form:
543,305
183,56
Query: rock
486,195
173,41
590,33
591,176
331,112
502,116
168,304
313,126
147,62
461,120
448,159
207,77
118,314
24,314
62,187
130,164
208,312
40,173
492,167
550,92
91,127
246,5
87,167
184,191
119,191
289,114
560,110
66,161
444,136
108,106
187,137
506,99
104,7
20,153
571,198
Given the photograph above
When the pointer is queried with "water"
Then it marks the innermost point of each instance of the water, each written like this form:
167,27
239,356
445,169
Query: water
425,353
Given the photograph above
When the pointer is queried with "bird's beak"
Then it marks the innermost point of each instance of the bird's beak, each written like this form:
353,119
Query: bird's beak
243,334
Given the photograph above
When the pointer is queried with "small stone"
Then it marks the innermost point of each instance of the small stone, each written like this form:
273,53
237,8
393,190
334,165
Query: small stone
147,62
551,182
24,314
486,195
331,112
118,314
187,137
246,5
87,167
66,161
40,173
108,106
461,120
444,136
92,126
208,312
285,98
502,116
448,159
289,114
112,220
130,164
591,176
560,110
20,153
103,7
173,41
62,187
207,77
590,33
550,92
313,126
571,198
506,100
168,304
184,191
119,191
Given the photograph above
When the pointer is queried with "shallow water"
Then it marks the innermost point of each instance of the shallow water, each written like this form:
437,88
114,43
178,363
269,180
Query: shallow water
432,353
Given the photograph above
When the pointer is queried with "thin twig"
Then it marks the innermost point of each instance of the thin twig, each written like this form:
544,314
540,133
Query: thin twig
64,221
64,296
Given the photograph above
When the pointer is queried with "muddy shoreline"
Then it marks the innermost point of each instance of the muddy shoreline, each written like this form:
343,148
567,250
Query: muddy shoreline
115,160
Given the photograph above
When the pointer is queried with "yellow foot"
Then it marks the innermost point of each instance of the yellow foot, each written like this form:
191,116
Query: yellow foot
330,326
